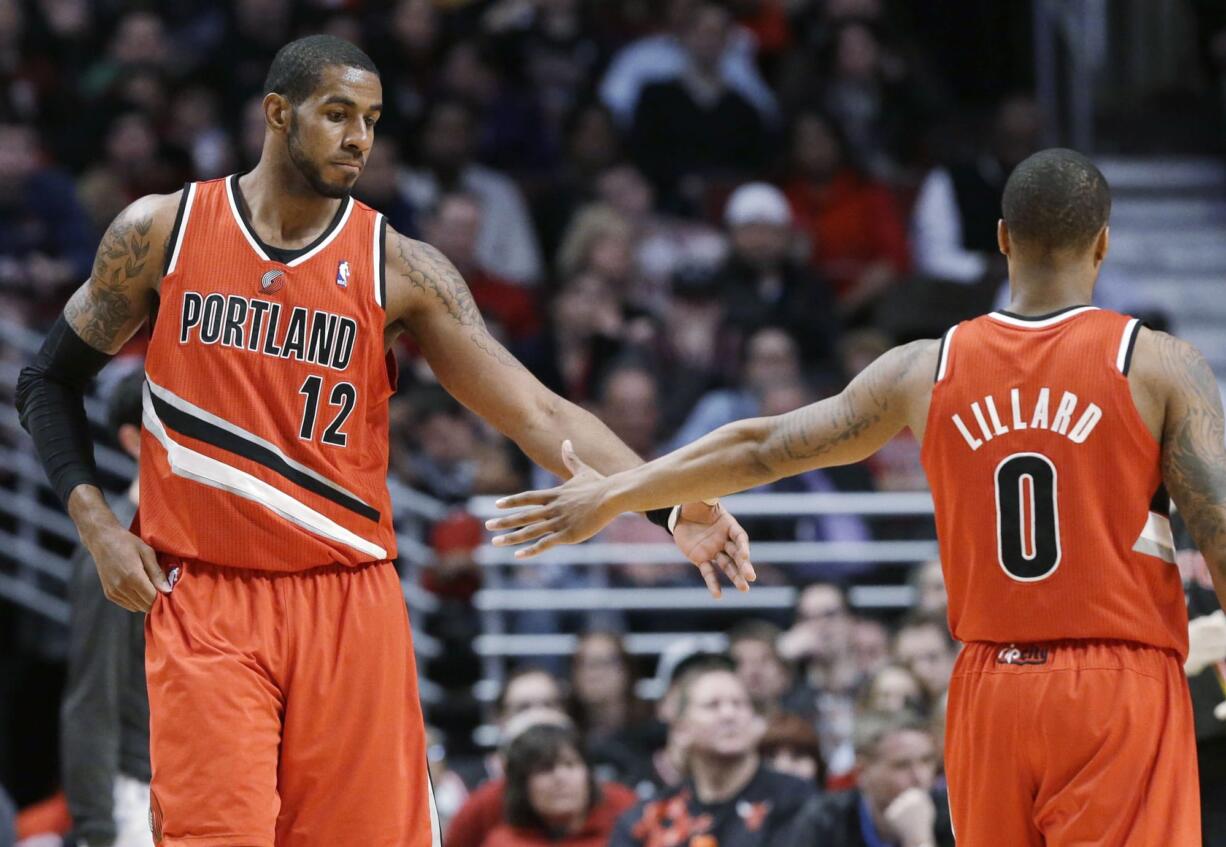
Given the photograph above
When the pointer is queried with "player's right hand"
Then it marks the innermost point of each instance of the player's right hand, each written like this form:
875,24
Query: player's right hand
127,568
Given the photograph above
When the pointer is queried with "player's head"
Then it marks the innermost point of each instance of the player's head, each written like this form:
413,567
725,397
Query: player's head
894,752
1056,206
123,411
322,98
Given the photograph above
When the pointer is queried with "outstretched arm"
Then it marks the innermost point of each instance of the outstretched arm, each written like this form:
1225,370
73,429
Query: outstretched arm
891,393
99,318
1193,445
428,297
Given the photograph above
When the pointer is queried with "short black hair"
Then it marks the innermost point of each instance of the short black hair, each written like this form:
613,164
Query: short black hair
297,66
536,750
1056,199
124,404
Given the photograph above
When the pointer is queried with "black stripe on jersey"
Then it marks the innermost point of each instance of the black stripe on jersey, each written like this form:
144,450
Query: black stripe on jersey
1016,316
1132,342
936,375
381,271
174,230
1160,504
201,430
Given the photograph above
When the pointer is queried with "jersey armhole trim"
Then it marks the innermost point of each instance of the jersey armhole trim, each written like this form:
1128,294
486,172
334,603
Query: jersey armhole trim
380,261
179,228
943,354
1128,341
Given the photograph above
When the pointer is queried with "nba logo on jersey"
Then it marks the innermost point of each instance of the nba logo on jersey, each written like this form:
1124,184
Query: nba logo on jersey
342,274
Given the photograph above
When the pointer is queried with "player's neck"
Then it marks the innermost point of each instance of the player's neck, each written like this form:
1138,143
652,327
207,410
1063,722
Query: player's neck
718,778
282,207
1047,291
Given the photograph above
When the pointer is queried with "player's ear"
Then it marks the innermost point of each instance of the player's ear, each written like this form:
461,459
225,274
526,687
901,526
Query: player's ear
1101,244
1002,236
277,111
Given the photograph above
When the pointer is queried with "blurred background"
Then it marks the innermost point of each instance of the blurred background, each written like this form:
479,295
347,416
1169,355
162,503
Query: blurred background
674,212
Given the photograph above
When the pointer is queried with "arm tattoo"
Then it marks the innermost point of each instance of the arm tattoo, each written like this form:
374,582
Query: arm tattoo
103,309
429,271
1194,447
818,429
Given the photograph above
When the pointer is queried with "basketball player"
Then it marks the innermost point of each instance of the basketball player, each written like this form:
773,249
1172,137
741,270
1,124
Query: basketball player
281,680
1048,432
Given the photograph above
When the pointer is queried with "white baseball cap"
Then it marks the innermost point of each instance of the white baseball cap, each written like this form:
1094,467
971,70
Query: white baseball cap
757,203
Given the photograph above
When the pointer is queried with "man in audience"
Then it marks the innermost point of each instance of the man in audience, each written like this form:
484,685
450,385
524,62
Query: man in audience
770,681
896,802
729,799
922,644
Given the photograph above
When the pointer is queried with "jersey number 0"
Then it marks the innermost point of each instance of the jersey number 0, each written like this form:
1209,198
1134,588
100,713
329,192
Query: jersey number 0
1027,517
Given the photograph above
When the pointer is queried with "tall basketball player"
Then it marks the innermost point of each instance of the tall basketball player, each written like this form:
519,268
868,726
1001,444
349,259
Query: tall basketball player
281,680
1051,434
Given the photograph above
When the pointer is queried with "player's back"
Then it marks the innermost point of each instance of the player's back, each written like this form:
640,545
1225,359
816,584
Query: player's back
1050,510
265,438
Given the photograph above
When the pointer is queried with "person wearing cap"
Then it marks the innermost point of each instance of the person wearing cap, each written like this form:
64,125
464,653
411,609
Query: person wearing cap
764,282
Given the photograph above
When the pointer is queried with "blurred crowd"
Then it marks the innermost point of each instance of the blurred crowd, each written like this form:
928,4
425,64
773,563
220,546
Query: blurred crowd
677,213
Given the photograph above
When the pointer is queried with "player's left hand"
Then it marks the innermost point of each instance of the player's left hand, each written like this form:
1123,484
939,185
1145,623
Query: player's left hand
578,509
566,514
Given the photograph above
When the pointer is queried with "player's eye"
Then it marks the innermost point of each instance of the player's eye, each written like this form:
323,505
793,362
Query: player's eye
370,122
336,116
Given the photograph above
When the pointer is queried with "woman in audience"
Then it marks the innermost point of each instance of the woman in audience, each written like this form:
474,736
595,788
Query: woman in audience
791,746
552,797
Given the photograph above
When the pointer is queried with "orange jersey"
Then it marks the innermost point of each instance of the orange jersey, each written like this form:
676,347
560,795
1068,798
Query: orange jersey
1050,512
265,440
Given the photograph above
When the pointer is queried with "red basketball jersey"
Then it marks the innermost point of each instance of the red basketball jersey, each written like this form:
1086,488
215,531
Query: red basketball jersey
1050,511
265,440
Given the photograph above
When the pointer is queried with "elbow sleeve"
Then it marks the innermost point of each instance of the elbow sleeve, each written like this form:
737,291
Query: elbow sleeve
51,405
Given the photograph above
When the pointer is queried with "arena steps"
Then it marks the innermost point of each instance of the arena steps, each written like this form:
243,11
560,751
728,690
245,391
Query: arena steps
1168,233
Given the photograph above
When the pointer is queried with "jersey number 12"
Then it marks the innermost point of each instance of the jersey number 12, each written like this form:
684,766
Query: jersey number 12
344,396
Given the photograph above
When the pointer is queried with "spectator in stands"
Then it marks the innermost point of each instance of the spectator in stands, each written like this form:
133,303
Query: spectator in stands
791,746
551,794
896,801
600,240
662,57
770,681
447,143
765,283
483,811
819,642
454,227
857,235
922,644
104,715
133,167
379,187
629,405
771,357
603,698
894,689
409,59
870,646
589,145
929,582
695,134
45,237
953,227
444,451
729,798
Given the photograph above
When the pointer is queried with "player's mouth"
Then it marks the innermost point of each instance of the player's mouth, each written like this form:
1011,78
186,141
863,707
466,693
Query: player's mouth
356,167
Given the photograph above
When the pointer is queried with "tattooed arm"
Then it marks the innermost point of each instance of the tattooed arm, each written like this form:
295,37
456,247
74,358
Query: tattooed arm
98,319
890,394
1193,441
428,297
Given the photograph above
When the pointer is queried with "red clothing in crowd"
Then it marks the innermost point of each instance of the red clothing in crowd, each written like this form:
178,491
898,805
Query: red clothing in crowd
853,222
480,823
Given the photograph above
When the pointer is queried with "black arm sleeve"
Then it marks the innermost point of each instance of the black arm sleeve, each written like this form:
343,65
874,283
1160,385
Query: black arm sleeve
51,403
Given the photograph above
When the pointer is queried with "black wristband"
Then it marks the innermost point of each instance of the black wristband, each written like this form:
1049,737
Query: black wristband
659,517
51,405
